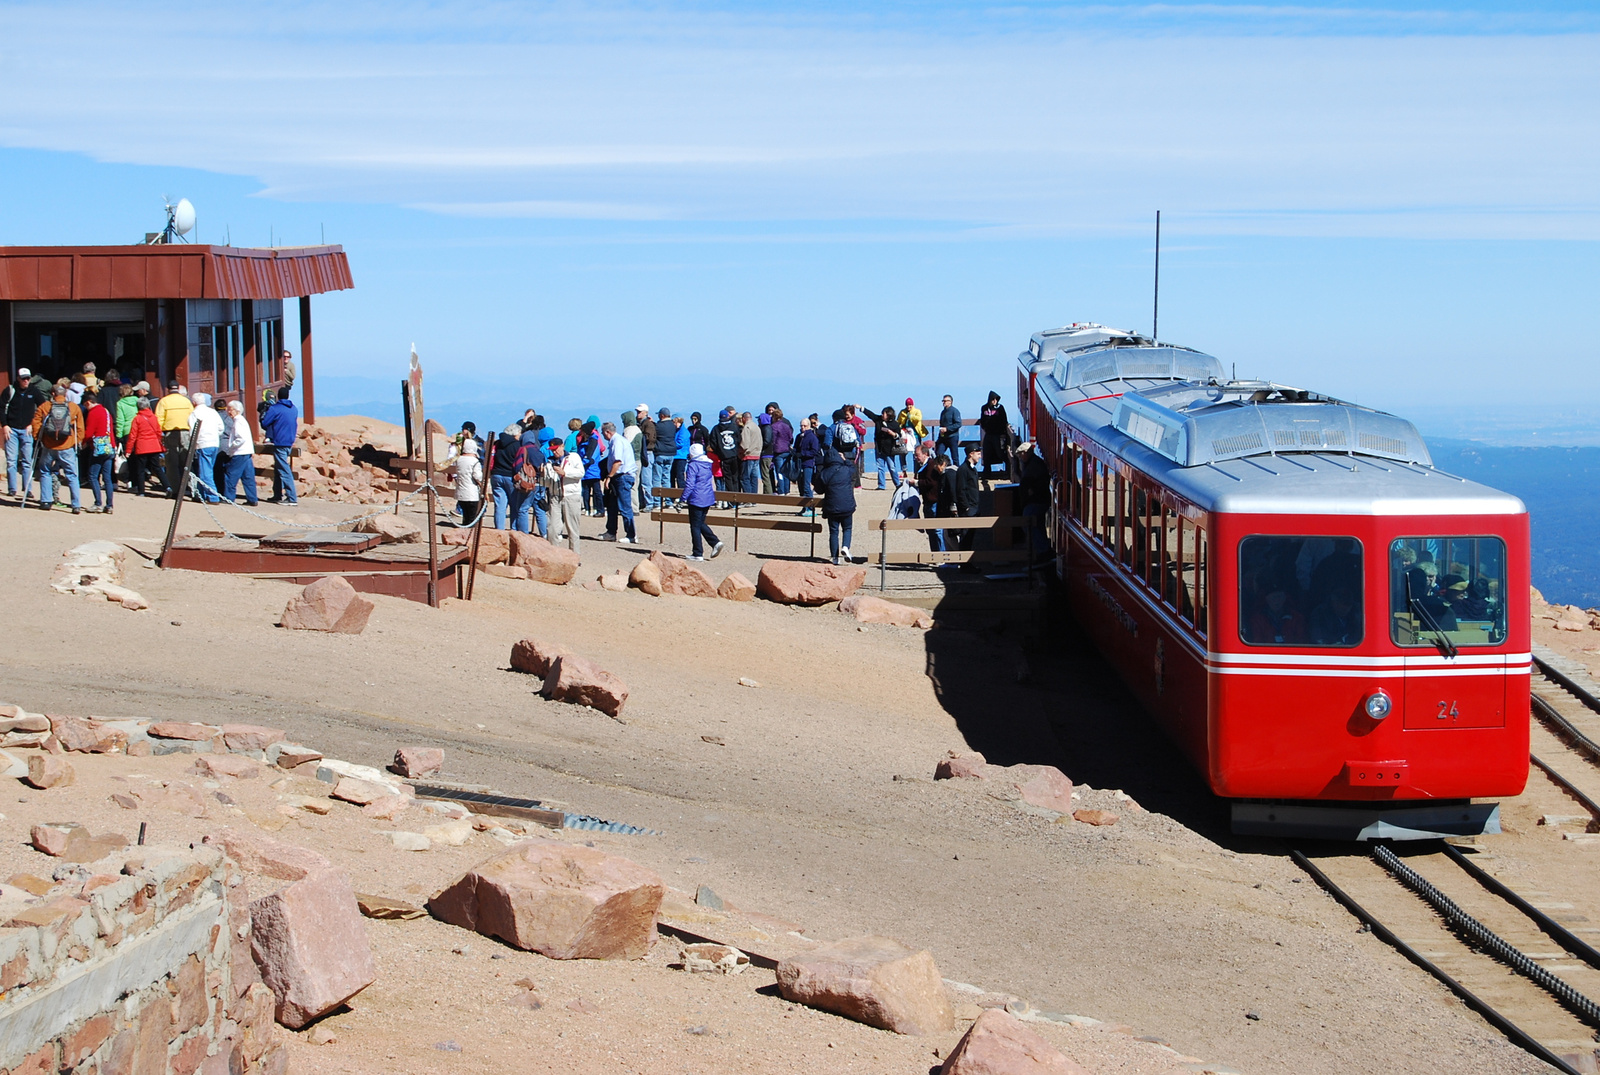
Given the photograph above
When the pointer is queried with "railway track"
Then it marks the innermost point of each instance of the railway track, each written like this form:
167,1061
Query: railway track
1565,738
1497,950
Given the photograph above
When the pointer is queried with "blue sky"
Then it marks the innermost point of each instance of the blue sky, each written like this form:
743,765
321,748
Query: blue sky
579,207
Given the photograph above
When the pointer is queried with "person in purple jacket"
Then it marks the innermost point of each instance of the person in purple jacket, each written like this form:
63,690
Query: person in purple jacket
699,493
782,445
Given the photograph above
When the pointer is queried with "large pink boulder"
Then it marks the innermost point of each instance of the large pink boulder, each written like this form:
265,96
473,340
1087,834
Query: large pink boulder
873,980
555,564
494,546
791,582
535,656
868,609
682,578
998,1044
1043,786
560,900
311,946
257,853
582,682
329,604
393,529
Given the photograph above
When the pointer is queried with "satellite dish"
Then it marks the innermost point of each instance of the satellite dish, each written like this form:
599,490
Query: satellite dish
183,217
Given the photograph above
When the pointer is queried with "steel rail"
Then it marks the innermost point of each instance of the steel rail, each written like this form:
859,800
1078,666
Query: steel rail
1566,785
1486,940
1567,684
1584,744
1551,928
1500,1022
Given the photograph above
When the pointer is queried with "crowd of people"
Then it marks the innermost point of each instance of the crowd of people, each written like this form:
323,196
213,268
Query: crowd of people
117,434
543,479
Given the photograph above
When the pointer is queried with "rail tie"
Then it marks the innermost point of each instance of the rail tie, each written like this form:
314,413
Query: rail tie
1487,940
1489,1012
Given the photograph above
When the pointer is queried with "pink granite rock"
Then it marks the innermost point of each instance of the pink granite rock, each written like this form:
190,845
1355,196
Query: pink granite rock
560,900
226,765
998,1044
260,854
1043,786
582,682
250,736
555,564
49,771
868,609
418,761
174,729
956,765
534,656
736,588
329,604
310,943
86,736
361,792
791,582
873,980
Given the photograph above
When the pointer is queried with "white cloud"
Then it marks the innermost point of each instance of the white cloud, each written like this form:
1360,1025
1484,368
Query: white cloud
1019,122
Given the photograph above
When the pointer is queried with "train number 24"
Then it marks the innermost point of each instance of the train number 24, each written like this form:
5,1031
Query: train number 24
1448,711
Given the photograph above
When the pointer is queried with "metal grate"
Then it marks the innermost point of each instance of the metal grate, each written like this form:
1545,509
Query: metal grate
530,809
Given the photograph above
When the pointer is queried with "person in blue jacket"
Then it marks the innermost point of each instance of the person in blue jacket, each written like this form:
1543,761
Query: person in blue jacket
280,425
680,458
700,493
836,480
807,452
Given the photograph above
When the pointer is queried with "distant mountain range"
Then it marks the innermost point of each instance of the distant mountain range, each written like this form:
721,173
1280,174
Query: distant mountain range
1561,487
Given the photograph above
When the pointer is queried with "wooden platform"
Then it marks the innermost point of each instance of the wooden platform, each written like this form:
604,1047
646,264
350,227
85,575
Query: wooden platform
399,570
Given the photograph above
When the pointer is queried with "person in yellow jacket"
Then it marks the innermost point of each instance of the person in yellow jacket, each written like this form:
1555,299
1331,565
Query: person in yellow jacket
173,412
910,417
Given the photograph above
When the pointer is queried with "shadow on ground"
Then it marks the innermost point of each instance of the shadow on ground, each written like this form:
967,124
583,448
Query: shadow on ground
1027,685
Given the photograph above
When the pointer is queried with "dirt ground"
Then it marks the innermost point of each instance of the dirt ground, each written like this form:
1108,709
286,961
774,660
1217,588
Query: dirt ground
817,807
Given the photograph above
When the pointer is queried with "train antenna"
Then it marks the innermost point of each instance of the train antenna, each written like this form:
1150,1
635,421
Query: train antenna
1155,313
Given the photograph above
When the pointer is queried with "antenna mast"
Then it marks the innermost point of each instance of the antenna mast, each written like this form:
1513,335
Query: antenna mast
1155,312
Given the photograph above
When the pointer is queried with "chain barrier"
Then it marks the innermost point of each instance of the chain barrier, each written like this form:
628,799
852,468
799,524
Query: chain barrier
196,487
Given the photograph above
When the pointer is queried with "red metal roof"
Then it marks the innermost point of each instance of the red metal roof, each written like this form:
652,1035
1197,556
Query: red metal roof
66,273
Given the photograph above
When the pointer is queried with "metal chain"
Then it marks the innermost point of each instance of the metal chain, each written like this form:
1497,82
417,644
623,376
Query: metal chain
194,486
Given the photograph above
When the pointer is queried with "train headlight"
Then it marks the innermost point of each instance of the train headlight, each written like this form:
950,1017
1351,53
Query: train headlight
1378,705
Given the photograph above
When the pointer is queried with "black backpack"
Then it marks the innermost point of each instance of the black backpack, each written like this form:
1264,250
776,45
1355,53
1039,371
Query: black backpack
58,423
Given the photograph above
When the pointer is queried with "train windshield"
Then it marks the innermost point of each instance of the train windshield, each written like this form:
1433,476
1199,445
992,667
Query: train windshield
1448,591
1300,591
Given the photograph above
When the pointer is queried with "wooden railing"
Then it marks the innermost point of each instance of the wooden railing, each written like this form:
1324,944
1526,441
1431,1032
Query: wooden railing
806,504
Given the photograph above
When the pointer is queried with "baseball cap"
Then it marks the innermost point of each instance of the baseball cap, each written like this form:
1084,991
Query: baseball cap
666,412
645,407
24,373
142,386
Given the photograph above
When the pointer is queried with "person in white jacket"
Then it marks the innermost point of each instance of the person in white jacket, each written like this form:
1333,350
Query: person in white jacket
238,444
205,431
469,482
563,477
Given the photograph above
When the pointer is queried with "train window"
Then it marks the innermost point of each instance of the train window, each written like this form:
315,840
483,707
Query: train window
1300,591
1202,588
1447,591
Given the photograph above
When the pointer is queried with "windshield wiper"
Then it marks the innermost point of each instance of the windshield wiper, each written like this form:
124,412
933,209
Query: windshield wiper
1446,646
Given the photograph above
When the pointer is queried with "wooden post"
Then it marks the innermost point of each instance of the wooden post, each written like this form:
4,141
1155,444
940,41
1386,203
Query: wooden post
735,526
883,559
477,526
307,399
433,523
177,505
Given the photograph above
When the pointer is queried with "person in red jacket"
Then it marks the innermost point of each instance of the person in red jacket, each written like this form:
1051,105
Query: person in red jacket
146,451
100,449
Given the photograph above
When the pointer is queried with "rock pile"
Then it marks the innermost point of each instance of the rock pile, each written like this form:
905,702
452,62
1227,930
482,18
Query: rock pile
95,569
1042,786
327,468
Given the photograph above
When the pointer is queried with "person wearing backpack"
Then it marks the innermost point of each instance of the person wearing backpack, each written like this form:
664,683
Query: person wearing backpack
58,430
21,402
836,483
529,500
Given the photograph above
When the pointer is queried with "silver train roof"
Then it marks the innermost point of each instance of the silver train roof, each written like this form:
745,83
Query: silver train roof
1244,447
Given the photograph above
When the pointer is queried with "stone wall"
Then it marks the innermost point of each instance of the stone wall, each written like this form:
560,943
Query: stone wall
134,970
